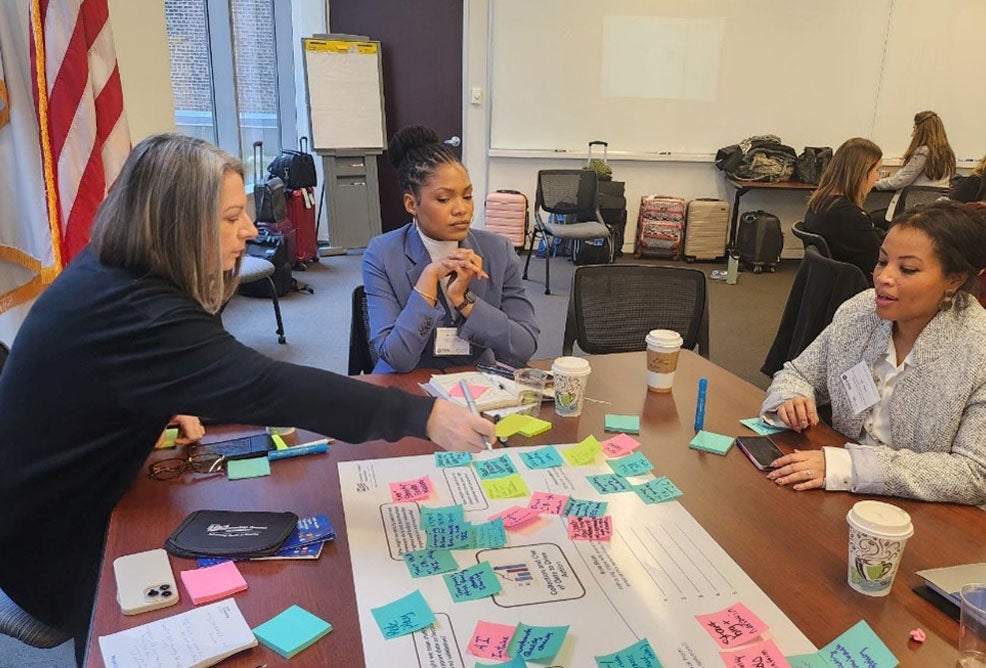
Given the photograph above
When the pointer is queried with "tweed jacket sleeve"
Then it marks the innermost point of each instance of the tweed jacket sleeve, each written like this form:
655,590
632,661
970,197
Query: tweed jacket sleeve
937,412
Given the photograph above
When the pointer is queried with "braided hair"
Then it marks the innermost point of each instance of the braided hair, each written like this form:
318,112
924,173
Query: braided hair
416,152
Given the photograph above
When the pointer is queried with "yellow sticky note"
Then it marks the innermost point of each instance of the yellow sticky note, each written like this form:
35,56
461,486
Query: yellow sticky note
534,426
507,487
510,425
170,435
278,442
583,453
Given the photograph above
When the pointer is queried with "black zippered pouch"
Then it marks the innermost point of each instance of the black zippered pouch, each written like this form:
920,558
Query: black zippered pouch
235,534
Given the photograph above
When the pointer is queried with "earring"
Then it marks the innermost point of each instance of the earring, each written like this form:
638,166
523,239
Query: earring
946,302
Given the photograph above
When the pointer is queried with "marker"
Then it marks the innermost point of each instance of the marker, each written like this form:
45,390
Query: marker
464,386
313,448
703,386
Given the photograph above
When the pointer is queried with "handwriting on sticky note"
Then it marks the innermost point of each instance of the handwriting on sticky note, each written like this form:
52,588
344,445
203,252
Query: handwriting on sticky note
440,516
516,516
859,646
543,458
475,582
490,640
546,502
508,487
583,453
411,490
584,508
497,467
657,490
536,642
405,615
620,445
590,528
608,483
447,459
450,536
489,534
638,655
732,626
422,563
633,464
764,654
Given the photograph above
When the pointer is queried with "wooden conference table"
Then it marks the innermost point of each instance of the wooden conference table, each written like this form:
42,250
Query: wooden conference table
792,544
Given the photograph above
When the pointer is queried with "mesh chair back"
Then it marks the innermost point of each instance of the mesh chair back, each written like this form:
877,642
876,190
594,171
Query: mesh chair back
913,196
615,306
569,192
362,357
811,239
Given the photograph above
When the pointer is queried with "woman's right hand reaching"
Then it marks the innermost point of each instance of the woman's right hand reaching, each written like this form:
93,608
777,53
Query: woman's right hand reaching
798,413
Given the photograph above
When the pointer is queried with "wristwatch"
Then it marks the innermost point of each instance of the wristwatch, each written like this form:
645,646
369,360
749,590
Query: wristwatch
467,299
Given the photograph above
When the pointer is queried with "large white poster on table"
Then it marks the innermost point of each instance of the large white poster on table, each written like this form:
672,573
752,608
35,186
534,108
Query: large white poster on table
649,580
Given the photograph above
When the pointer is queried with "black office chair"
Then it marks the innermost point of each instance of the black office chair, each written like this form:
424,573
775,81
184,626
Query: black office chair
912,196
811,239
16,623
362,356
613,307
570,193
820,287
4,353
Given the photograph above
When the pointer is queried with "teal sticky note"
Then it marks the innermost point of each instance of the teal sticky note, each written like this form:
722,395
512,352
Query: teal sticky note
291,631
477,581
445,459
584,508
633,464
542,458
629,424
449,537
255,467
638,655
405,615
441,516
657,490
709,441
760,426
497,467
608,483
512,663
858,646
489,534
422,563
807,661
531,643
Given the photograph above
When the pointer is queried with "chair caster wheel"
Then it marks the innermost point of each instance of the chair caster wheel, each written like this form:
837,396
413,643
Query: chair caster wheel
758,270
282,339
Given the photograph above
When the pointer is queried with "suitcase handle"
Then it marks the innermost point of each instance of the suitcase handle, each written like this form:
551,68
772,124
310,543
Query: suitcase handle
598,142
303,144
258,152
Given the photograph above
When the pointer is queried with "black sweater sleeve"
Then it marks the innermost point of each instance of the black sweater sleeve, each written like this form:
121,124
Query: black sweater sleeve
850,233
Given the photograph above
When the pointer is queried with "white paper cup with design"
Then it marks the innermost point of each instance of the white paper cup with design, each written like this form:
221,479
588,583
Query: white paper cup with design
571,376
878,532
663,347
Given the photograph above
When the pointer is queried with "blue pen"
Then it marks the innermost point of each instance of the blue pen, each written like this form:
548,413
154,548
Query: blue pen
703,386
313,448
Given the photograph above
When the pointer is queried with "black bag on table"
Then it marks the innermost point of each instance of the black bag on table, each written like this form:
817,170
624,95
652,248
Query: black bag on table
812,162
231,533
295,168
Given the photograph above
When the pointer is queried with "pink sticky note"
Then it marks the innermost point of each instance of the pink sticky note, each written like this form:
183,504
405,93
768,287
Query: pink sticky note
590,528
411,490
620,445
764,654
475,390
490,641
205,585
546,502
514,516
736,625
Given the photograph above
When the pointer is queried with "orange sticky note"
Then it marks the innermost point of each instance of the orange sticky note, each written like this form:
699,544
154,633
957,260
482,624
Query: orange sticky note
620,445
475,390
546,502
764,654
205,585
590,528
734,626
411,490
515,516
490,641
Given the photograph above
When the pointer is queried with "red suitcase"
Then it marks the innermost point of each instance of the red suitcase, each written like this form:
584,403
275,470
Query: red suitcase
301,213
506,214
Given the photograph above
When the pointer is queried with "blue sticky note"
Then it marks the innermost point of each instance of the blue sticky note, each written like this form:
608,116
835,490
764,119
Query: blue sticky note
254,467
760,426
489,534
807,661
512,663
858,646
709,441
536,642
291,631
657,490
444,459
608,483
497,467
633,464
423,563
638,655
441,516
450,537
405,615
542,458
625,423
584,508
477,581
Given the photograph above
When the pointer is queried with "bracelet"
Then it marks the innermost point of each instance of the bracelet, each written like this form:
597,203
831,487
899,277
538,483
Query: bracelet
433,300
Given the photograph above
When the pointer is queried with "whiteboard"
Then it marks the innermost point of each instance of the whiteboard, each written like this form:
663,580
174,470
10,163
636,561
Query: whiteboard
813,73
345,98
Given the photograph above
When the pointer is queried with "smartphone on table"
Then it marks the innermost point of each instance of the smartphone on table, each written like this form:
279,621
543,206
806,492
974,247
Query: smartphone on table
144,582
760,450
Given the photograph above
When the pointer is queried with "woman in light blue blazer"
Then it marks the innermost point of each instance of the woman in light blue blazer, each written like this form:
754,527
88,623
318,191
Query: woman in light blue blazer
440,294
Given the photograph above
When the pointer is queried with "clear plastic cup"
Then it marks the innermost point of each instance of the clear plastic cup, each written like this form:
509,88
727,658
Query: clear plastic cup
530,389
878,532
972,626
571,377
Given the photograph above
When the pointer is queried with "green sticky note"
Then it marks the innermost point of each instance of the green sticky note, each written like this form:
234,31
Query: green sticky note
533,426
422,563
405,615
170,436
512,663
441,516
583,453
279,443
510,425
709,441
584,508
498,467
608,483
760,426
638,655
859,646
657,490
625,423
542,458
291,631
633,464
489,534
531,643
508,487
475,582
446,459
255,467
449,537
807,661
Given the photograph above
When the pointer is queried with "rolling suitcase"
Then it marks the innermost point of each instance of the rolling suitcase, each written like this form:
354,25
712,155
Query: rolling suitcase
269,197
660,227
301,213
506,214
612,203
706,229
760,240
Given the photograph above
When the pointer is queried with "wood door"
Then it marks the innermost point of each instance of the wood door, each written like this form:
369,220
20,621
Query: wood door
422,73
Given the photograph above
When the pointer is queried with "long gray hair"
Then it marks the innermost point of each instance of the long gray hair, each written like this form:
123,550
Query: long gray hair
162,217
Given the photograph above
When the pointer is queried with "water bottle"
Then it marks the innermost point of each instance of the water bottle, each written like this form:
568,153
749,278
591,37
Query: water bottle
732,266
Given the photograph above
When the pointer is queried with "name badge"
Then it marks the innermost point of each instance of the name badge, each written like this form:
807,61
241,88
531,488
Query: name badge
859,386
447,342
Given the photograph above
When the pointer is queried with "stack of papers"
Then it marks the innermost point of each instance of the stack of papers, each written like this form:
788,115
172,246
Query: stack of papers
949,581
486,392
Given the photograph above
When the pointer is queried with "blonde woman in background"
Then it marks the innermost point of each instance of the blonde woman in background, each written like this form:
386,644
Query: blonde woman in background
970,188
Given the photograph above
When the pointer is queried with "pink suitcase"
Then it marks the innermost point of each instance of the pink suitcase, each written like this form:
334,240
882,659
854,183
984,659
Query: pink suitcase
506,214
660,227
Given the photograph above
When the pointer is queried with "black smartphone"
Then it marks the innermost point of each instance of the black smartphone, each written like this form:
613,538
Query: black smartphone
238,448
760,450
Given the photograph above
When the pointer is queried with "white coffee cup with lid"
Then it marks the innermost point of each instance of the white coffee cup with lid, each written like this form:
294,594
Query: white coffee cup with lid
877,534
663,346
571,376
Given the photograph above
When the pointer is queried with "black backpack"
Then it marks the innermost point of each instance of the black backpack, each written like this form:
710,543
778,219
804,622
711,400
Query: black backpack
812,162
295,168
273,248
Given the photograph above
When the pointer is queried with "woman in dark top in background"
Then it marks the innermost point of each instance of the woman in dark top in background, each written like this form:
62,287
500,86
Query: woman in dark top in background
970,188
835,210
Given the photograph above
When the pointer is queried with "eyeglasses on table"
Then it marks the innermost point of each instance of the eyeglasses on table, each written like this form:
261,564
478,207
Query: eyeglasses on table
167,469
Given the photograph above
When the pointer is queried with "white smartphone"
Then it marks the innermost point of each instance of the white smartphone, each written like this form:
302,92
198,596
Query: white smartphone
144,582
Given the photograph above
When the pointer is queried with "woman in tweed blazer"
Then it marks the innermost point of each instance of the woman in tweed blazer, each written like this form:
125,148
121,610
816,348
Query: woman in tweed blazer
922,338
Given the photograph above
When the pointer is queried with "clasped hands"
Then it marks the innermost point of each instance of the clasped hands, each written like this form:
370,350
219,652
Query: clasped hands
461,266
804,469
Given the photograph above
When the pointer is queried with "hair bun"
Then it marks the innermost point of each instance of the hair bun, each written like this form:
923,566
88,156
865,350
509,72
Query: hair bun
407,139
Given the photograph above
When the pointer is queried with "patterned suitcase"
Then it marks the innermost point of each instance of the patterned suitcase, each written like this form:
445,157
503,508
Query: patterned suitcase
706,229
301,213
660,227
506,214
